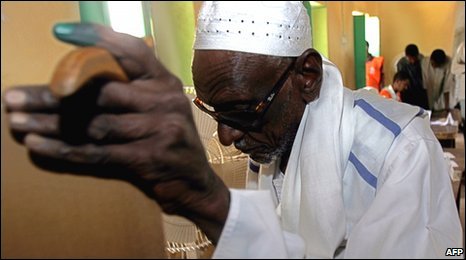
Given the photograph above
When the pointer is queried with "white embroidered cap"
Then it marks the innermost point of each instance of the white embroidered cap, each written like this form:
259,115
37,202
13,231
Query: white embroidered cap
277,28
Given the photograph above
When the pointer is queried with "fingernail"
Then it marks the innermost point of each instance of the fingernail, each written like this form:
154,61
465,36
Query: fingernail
33,140
18,118
63,29
76,33
15,98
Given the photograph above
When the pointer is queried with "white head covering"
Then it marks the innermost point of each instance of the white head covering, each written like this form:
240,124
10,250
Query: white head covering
278,28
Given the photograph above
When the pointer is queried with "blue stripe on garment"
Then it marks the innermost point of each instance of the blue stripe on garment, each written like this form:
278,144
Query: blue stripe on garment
363,171
421,112
374,113
253,167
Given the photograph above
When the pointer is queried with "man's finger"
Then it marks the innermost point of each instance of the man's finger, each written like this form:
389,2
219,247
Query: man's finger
43,124
129,158
82,154
125,96
136,58
34,98
135,98
111,127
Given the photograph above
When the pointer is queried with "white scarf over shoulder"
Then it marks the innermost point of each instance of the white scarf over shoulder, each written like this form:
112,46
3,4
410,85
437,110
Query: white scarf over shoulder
317,195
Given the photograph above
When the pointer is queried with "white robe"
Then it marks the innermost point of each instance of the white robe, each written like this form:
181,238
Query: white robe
457,69
366,178
438,82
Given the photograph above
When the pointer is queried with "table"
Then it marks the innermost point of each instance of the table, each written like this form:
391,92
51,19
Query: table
446,134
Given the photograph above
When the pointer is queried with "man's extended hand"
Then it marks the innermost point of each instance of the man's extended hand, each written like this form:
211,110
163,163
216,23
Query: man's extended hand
142,131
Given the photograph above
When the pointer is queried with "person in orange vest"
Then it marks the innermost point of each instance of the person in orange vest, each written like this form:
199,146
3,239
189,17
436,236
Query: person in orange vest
400,83
374,70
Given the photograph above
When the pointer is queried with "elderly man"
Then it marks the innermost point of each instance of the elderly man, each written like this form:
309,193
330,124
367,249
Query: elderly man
326,188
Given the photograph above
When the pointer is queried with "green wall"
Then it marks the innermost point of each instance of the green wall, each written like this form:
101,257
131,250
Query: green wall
359,51
319,29
94,12
174,25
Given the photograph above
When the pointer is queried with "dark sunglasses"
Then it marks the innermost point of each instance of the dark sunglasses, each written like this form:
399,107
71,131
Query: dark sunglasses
247,119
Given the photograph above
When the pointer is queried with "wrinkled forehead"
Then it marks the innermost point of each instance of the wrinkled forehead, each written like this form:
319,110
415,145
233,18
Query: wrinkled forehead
220,75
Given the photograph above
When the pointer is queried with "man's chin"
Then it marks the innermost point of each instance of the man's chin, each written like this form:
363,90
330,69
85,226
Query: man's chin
262,158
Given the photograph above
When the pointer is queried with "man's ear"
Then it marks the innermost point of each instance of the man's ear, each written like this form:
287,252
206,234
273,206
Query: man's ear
309,70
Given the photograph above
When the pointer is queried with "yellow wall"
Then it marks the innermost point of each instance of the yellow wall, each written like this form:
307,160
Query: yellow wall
340,33
430,25
174,36
29,50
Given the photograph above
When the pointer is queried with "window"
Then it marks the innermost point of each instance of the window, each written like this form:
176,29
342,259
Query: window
127,17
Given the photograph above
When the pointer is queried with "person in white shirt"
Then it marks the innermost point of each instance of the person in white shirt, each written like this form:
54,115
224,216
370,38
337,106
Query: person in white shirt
321,185
438,81
457,69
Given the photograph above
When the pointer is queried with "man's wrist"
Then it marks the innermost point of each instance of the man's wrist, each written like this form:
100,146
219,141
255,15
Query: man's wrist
215,208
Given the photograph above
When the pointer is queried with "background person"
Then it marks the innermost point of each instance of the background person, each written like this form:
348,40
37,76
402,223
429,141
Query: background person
438,81
400,84
374,70
411,64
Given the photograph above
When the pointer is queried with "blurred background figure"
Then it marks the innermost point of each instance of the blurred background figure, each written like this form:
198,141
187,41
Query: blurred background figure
374,70
438,81
400,83
457,69
411,64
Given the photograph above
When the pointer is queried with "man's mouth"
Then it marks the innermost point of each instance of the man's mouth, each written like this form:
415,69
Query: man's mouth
245,148
257,152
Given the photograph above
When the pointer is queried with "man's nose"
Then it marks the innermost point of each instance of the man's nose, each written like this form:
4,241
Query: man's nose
228,135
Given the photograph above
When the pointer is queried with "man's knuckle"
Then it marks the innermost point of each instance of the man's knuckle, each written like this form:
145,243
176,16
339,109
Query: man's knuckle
106,95
101,155
64,152
175,133
101,127
141,44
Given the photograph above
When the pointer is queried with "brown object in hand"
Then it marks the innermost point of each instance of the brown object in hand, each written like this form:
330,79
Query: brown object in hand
80,66
49,216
